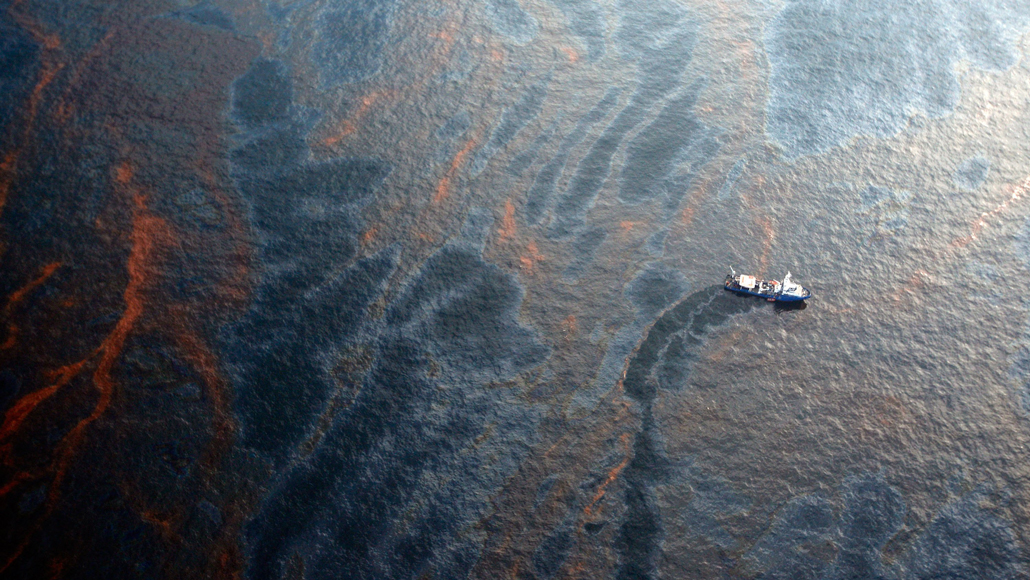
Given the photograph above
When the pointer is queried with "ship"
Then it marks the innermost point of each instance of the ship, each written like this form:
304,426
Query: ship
771,290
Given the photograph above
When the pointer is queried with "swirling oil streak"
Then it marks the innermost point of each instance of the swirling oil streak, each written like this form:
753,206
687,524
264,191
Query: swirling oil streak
677,329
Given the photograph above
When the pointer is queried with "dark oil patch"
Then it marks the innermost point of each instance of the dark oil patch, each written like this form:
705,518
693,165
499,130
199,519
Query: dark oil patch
641,532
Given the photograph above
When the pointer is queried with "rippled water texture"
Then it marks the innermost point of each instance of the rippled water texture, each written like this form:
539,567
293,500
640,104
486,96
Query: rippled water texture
423,289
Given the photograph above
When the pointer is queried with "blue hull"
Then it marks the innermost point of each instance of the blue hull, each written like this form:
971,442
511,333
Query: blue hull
773,297
793,298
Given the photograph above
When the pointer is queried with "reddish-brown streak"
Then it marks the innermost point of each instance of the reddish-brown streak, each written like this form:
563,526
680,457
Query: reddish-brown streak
216,388
443,187
16,415
12,337
17,480
920,277
47,73
613,474
507,230
369,236
6,176
528,262
62,108
10,160
20,294
1017,193
147,231
569,326
349,126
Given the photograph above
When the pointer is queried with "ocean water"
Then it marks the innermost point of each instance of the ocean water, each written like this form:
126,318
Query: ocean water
397,289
